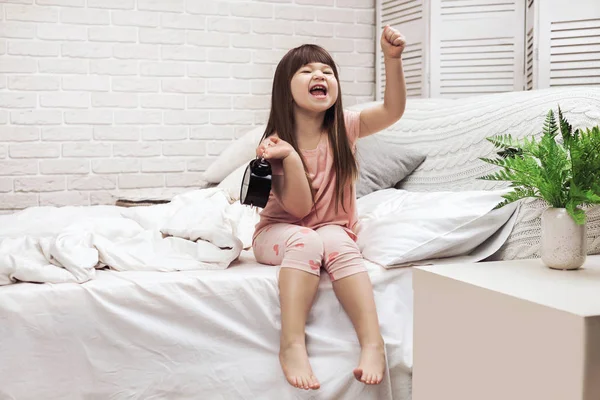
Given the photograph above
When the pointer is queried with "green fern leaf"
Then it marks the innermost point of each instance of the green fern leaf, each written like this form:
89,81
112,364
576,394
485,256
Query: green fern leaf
550,127
566,130
503,141
577,214
516,195
589,196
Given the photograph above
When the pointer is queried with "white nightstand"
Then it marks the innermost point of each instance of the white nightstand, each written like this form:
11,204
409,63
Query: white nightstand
510,330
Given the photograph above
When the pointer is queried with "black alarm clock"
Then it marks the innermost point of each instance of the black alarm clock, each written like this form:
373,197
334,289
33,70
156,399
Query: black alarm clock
256,184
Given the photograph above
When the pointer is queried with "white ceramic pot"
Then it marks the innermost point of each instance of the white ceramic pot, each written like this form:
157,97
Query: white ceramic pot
564,243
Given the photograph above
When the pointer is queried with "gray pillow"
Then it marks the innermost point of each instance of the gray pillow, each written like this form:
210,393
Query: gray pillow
383,163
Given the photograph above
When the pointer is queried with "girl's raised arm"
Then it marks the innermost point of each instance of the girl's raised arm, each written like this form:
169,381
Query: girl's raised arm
381,116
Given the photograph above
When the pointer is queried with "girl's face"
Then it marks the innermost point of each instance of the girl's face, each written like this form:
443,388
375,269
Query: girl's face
314,87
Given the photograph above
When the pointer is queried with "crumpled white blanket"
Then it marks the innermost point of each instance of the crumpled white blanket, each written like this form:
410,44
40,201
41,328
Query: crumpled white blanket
200,229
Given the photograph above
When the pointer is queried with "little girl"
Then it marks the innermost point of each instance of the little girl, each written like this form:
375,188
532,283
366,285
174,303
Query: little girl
309,219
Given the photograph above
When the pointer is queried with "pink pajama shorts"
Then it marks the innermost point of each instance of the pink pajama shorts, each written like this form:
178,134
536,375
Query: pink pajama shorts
294,246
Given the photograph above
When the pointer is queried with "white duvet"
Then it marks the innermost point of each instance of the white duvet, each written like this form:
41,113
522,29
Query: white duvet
207,229
200,229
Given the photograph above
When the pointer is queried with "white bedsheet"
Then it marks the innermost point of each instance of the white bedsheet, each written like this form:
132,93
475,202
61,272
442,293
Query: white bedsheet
188,335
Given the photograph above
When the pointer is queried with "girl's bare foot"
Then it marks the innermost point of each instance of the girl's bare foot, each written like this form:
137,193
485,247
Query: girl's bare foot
295,365
371,367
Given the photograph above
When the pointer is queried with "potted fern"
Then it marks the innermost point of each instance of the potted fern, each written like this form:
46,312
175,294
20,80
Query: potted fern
564,171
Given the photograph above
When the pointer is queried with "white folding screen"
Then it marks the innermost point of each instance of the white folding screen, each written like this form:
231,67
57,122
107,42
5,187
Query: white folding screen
531,46
409,16
569,42
476,46
461,48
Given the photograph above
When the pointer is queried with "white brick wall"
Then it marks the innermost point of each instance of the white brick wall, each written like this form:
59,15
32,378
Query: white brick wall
132,98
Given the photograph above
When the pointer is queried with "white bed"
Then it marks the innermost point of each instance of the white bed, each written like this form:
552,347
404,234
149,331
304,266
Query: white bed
188,335
176,319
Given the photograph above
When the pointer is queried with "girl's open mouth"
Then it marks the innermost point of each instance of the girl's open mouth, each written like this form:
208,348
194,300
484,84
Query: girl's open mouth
318,91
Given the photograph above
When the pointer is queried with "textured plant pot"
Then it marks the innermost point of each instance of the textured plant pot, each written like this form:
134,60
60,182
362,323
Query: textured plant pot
564,243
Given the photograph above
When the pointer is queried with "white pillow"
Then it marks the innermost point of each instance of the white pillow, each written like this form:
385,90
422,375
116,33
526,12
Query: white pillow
240,152
397,227
233,181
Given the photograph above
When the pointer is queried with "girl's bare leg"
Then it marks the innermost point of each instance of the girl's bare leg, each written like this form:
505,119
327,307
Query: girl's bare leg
297,291
355,293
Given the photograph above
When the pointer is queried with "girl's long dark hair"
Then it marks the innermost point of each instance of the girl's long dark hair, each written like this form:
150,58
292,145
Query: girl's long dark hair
282,122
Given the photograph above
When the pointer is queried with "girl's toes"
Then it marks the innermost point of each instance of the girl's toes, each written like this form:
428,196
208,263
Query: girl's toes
306,383
314,383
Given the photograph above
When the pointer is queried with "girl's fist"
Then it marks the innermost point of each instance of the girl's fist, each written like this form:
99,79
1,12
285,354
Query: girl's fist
392,42
274,148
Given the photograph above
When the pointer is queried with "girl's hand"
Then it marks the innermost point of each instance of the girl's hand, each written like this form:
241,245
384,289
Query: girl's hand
392,42
274,148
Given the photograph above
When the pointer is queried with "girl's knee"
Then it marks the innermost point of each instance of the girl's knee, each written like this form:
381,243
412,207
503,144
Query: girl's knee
343,261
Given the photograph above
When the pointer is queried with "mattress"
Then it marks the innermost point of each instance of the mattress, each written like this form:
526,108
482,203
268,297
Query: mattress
189,335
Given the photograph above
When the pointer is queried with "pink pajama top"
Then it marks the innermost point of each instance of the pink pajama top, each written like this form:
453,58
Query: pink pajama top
319,163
